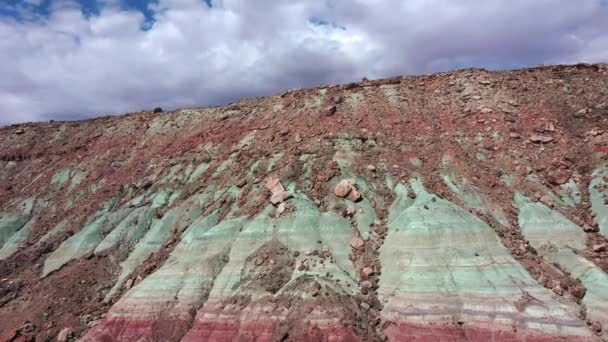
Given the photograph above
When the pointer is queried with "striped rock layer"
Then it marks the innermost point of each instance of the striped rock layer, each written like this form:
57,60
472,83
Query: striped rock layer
451,207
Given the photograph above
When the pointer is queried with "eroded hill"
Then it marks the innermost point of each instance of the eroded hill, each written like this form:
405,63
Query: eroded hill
461,206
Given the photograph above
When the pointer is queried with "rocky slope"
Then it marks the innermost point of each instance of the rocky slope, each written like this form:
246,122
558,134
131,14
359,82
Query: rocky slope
461,206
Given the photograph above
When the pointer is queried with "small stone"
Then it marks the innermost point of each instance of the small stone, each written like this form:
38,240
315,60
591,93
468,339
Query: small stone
274,185
522,248
241,182
343,188
349,212
588,228
354,195
596,326
380,229
601,247
357,243
542,280
367,284
547,200
331,110
559,177
486,110
577,290
64,335
28,327
485,82
514,135
280,209
316,288
364,306
19,131
557,288
582,112
371,168
540,139
280,197
367,272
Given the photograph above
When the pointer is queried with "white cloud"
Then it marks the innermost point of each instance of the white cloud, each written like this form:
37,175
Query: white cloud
69,65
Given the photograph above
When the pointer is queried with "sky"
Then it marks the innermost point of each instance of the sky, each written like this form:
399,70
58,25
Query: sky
76,59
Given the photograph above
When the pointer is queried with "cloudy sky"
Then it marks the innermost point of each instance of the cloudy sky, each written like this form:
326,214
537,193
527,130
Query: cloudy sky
72,59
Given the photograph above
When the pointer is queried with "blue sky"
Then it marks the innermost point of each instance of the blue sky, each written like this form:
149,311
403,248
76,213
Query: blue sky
74,59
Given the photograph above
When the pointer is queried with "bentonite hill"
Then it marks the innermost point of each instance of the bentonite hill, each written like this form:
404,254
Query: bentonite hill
461,206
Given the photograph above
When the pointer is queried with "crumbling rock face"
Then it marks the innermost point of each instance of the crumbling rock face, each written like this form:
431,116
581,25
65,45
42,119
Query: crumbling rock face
460,206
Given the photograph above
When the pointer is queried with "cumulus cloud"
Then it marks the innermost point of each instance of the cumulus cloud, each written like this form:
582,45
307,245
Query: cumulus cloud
68,62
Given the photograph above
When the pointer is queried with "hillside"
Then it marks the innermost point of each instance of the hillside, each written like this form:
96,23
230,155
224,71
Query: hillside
460,206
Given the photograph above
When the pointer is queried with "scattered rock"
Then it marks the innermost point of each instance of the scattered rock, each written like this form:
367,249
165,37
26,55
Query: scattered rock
540,139
343,188
279,194
158,110
27,327
367,284
591,228
547,200
280,197
364,306
316,288
380,229
354,195
582,112
595,132
324,252
601,247
367,272
596,326
371,168
577,290
514,135
274,185
357,243
241,182
557,288
280,209
64,335
129,283
19,131
329,111
559,177
347,188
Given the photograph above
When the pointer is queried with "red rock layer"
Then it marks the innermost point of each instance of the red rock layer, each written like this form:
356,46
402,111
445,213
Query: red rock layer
451,332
